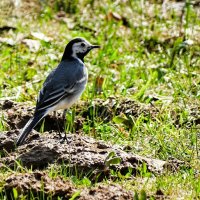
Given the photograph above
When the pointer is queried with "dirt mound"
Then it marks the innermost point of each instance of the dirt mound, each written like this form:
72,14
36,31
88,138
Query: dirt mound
80,153
17,114
39,183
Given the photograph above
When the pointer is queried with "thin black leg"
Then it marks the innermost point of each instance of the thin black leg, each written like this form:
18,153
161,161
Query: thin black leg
64,121
57,123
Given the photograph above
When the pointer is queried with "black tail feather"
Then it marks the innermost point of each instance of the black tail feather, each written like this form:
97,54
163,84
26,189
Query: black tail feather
29,126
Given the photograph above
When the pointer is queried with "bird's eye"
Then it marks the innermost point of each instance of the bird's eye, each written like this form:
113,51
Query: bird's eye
83,44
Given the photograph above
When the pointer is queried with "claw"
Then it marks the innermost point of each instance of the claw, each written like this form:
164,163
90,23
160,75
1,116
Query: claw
64,138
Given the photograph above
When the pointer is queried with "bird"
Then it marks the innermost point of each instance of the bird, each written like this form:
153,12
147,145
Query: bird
63,86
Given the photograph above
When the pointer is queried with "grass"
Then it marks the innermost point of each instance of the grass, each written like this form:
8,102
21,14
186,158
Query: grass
149,56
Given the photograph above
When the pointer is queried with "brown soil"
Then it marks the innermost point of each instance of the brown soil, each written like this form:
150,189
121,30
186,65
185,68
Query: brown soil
79,153
31,184
17,114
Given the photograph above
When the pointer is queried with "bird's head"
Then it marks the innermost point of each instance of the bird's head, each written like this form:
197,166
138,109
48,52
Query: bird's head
78,48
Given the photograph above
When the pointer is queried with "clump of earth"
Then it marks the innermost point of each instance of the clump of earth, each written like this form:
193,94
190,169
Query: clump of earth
80,153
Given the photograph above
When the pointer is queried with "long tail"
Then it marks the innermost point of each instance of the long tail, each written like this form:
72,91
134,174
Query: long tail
29,126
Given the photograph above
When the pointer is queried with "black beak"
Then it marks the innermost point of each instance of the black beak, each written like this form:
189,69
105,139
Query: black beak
94,46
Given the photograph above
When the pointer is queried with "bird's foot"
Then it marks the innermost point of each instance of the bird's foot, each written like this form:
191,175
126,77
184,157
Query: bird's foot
64,138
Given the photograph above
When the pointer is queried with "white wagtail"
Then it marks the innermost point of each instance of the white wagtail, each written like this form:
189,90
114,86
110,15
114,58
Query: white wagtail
63,86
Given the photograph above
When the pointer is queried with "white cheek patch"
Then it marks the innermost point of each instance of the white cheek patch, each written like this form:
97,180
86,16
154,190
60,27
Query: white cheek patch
80,50
77,48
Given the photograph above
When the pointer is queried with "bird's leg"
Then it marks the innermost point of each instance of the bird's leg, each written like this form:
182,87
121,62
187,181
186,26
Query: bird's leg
64,120
57,123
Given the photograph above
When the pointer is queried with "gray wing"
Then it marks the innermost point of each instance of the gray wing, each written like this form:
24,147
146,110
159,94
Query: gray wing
61,83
